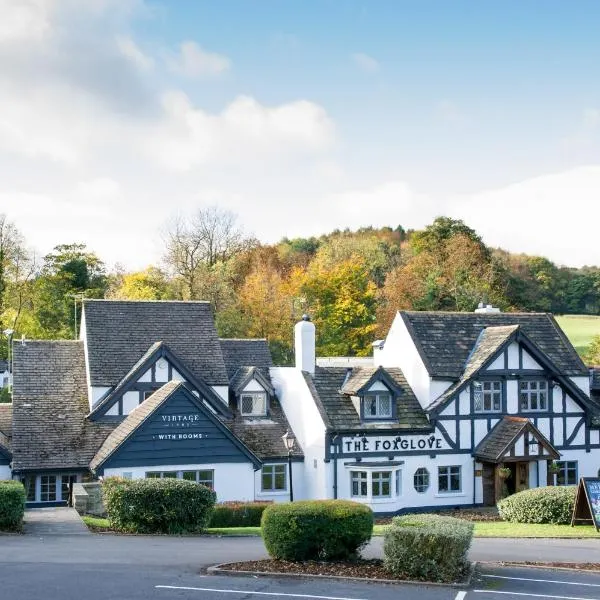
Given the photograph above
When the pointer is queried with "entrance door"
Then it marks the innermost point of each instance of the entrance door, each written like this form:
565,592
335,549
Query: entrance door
522,481
488,479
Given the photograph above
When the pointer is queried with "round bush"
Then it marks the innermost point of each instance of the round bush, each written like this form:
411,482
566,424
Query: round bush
12,504
540,505
157,505
429,547
316,529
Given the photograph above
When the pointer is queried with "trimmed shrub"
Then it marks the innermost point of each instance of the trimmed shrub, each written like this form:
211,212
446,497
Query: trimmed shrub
157,505
12,505
238,514
316,529
553,504
429,547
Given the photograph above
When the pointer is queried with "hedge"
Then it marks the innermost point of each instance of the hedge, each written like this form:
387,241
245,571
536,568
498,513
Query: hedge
238,514
428,547
553,504
12,505
316,529
157,505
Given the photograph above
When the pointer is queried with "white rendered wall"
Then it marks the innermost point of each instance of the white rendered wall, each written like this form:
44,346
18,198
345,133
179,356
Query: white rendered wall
233,481
399,350
222,391
410,498
253,386
5,472
308,427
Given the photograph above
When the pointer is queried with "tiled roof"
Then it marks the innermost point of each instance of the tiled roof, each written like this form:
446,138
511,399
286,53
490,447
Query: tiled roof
243,353
499,440
445,339
6,412
263,434
50,402
339,413
119,333
595,378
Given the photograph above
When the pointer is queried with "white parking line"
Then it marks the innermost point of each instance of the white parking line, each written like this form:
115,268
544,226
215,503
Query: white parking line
532,595
541,580
198,589
460,596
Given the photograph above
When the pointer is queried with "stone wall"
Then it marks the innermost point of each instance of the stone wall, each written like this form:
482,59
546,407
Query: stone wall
87,498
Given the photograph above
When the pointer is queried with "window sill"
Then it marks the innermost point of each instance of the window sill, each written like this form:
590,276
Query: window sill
450,495
273,493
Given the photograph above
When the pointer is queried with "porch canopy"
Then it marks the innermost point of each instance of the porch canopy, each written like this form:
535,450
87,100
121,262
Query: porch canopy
514,439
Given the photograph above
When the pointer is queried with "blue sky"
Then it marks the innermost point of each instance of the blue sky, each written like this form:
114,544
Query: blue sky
348,113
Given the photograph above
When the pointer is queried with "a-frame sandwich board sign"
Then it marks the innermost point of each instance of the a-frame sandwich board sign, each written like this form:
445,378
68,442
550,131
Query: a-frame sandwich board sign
587,503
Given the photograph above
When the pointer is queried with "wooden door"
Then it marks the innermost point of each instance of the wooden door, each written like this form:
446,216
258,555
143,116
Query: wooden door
488,478
522,482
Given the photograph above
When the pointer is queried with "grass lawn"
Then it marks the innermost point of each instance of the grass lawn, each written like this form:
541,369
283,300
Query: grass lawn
482,529
580,329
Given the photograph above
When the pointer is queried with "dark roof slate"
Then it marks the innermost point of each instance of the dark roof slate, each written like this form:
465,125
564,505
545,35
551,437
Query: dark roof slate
445,339
595,378
498,441
6,414
120,332
243,353
50,402
338,411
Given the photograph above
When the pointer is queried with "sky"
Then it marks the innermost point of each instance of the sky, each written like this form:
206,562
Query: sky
300,116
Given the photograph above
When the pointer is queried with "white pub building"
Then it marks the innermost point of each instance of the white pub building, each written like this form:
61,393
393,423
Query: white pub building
449,403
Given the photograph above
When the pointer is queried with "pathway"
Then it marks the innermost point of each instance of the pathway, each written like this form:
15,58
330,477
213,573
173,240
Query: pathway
41,522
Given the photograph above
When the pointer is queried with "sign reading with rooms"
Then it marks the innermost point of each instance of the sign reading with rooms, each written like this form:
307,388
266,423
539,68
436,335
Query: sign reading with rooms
422,443
179,421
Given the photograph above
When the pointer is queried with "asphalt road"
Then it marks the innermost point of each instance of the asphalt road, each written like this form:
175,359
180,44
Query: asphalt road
108,567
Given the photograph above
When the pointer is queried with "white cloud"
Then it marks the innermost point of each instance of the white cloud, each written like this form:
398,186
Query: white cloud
245,130
134,53
591,118
366,63
24,19
192,61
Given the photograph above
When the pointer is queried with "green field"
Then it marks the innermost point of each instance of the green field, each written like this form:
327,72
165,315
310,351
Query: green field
580,329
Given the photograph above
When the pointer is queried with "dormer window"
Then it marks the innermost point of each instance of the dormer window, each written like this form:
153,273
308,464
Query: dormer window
253,404
377,405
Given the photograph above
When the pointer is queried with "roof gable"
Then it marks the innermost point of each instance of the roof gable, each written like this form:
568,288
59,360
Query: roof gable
499,445
360,379
118,333
157,351
445,339
244,375
174,427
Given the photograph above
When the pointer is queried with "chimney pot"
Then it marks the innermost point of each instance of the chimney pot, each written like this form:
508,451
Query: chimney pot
304,344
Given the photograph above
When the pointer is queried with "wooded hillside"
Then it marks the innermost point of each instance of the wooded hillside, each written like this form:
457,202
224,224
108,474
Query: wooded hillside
350,282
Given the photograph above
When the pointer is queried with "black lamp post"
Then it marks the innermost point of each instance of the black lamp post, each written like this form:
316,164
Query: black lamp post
288,440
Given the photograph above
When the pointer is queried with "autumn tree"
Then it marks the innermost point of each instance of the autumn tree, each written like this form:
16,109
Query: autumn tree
150,284
196,244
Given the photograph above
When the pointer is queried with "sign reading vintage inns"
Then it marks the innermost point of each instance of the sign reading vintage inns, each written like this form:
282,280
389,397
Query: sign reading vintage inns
179,421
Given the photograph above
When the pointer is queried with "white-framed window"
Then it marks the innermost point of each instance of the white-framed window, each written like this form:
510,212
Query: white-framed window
567,474
28,482
449,479
381,484
48,488
533,395
274,478
487,396
377,405
253,404
205,477
360,484
421,480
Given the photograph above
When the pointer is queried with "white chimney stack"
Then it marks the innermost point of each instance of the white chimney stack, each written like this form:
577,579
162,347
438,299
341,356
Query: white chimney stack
304,344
